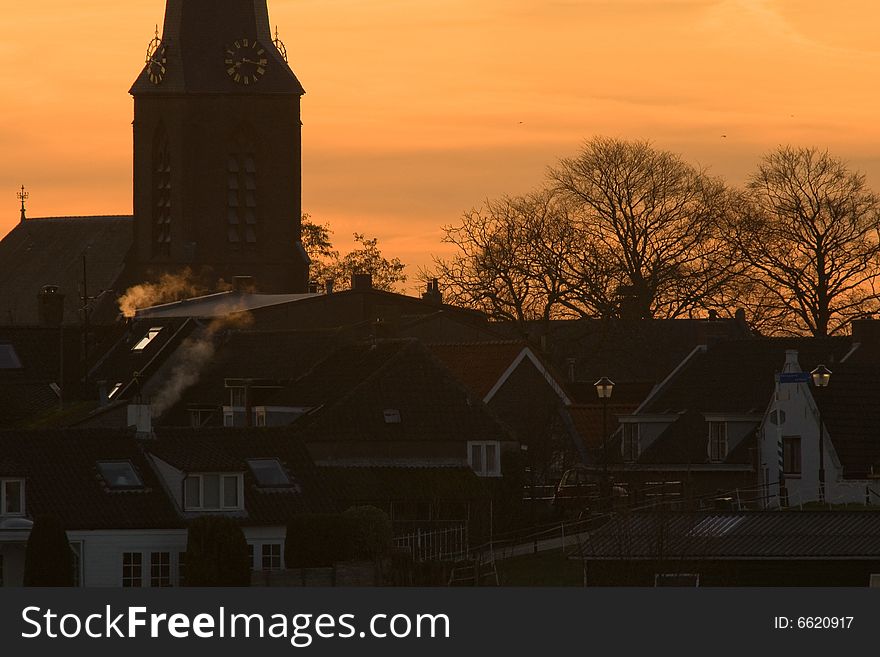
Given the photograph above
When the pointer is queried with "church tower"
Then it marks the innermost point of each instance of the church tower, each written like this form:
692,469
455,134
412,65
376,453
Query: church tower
217,150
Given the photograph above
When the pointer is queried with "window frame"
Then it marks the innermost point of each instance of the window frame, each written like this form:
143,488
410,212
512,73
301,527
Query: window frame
116,487
22,510
147,339
788,456
164,580
222,476
483,470
133,576
722,442
277,558
630,443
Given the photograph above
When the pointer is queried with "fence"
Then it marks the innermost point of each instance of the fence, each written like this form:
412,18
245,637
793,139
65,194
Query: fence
447,544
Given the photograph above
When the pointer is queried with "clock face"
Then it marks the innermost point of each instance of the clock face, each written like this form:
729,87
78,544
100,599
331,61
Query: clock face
246,61
157,64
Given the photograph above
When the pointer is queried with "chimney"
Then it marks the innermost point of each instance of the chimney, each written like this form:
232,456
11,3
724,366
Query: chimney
140,417
328,285
433,294
791,361
361,282
244,284
50,306
866,332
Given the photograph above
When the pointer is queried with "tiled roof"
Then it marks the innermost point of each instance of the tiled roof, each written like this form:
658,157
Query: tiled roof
478,365
686,441
380,485
62,479
851,412
49,251
748,535
626,351
227,450
358,383
588,421
737,376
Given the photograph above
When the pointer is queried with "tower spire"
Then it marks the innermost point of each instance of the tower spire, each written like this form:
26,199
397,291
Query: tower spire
23,196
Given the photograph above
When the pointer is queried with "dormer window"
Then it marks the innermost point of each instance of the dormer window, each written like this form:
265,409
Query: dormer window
214,492
120,475
717,442
11,497
145,341
630,444
485,458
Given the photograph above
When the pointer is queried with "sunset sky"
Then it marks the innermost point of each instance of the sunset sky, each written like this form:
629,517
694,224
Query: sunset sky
417,110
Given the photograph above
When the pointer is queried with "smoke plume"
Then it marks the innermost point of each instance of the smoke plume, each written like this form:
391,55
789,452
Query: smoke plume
196,352
169,287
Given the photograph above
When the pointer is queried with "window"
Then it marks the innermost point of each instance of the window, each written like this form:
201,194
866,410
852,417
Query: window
268,472
160,569
1,570
676,579
791,456
260,417
142,344
485,458
119,475
630,445
392,416
228,419
162,195
11,497
132,563
115,390
213,492
181,568
8,358
271,556
241,194
76,548
717,441
251,555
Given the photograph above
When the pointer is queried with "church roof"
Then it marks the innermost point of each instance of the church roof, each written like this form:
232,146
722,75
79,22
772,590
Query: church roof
49,251
198,34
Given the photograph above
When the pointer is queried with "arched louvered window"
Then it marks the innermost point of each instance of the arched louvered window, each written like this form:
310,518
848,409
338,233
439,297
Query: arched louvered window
162,195
241,191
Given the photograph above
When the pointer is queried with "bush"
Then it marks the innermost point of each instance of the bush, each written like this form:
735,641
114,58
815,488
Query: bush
317,539
320,540
48,559
216,553
371,532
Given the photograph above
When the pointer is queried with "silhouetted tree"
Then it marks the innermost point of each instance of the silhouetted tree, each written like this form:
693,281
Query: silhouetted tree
48,559
216,553
366,258
808,228
654,222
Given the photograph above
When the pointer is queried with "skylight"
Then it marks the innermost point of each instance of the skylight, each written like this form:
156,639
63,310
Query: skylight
114,391
268,472
147,339
8,358
119,474
392,416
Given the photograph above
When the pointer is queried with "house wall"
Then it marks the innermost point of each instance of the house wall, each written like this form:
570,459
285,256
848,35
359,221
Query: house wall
101,553
801,418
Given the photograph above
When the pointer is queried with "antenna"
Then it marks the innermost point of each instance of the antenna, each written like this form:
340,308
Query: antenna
23,196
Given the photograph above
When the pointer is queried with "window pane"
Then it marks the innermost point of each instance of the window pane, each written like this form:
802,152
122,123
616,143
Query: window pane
12,495
230,492
477,458
211,491
131,569
491,463
193,497
271,556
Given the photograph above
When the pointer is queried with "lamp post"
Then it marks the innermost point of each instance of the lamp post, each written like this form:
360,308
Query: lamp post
821,378
604,388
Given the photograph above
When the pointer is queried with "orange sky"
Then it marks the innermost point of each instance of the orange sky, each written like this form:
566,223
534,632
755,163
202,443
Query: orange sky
417,110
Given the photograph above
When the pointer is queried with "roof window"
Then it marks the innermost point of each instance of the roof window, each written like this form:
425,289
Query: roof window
144,342
268,472
119,475
9,360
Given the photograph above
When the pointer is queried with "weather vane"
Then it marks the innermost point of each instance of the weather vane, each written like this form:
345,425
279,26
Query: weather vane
279,44
23,196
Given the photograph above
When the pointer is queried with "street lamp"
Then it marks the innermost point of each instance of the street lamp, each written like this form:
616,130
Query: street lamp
821,378
604,388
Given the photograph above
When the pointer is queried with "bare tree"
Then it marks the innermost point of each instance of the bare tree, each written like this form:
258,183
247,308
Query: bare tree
808,228
511,258
654,222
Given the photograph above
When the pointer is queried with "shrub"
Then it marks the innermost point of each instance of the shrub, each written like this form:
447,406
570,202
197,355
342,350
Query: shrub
48,559
216,553
317,539
371,532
